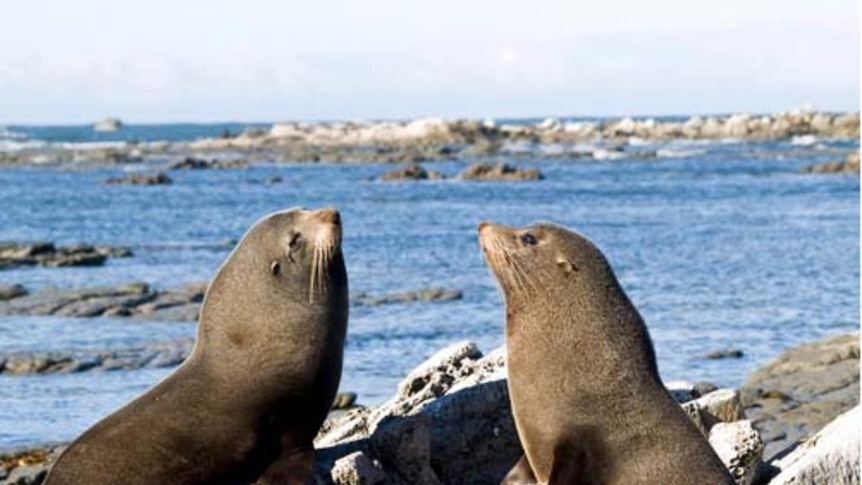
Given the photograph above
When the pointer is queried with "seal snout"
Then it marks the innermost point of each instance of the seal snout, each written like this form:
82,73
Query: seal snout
328,214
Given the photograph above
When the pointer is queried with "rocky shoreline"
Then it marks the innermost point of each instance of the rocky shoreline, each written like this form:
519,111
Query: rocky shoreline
141,301
14,255
434,139
450,423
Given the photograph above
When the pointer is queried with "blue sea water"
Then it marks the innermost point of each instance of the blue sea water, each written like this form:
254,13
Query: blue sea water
723,245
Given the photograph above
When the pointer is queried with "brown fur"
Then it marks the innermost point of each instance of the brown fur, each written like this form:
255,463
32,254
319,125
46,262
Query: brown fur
248,402
588,403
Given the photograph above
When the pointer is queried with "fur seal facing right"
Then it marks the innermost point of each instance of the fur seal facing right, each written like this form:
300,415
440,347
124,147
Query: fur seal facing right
248,402
588,403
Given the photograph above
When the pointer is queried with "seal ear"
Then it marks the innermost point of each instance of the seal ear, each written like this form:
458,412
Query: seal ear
567,266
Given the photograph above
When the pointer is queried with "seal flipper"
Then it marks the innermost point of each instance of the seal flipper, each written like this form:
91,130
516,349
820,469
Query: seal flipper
572,466
290,469
520,474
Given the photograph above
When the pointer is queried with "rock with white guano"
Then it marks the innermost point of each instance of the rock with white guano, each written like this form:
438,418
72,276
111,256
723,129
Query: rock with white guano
739,447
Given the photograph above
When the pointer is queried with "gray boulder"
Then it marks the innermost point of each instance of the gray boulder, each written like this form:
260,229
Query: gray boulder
802,390
829,457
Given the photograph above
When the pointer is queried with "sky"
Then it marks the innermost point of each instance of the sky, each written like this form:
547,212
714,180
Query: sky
257,60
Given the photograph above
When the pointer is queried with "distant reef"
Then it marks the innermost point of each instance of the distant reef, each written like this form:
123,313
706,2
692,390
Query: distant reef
435,139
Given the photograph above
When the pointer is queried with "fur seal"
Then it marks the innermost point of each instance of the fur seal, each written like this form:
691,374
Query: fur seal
588,403
248,402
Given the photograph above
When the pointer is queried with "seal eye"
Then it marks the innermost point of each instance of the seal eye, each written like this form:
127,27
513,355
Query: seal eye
275,268
528,239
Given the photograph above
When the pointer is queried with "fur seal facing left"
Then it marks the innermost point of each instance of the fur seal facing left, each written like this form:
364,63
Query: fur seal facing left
588,403
248,402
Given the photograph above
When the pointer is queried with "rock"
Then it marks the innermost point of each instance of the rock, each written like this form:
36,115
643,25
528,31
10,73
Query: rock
426,295
720,406
8,292
724,354
830,456
129,300
46,254
29,466
27,475
273,179
108,125
159,178
411,171
704,388
739,447
358,469
155,355
194,163
344,400
500,171
550,124
848,166
449,423
802,390
681,391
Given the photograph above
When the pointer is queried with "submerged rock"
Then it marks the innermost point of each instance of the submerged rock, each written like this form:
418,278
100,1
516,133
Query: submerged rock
195,163
848,166
156,355
500,171
159,178
426,295
411,171
8,292
13,255
129,300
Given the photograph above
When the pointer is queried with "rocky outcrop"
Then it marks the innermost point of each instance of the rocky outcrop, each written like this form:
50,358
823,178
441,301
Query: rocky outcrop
802,390
8,292
108,125
14,255
411,171
139,300
161,354
159,178
29,466
130,300
499,172
437,139
848,166
450,423
830,456
426,295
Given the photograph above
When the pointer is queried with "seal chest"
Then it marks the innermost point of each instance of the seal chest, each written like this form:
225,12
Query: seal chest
586,396
247,403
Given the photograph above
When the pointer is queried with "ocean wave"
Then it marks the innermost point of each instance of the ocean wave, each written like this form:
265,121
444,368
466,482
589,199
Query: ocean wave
91,145
7,134
17,146
678,152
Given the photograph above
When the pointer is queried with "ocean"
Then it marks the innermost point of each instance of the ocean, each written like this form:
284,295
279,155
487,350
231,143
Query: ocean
720,244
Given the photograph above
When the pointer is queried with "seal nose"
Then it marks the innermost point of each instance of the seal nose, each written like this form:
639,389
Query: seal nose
329,214
484,225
